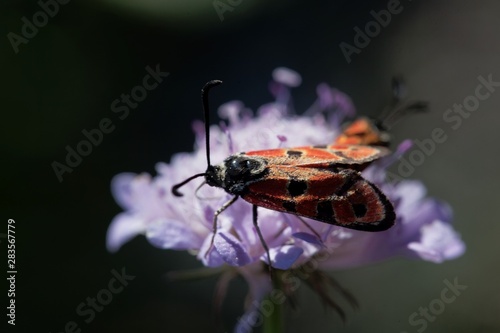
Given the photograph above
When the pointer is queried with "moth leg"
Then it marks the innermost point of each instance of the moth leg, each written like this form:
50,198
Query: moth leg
266,248
217,213
310,228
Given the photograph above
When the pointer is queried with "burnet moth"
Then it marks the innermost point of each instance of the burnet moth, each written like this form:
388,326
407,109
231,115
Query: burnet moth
322,183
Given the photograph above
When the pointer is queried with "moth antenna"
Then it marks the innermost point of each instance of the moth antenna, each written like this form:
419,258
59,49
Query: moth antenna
399,112
398,89
206,113
175,188
397,108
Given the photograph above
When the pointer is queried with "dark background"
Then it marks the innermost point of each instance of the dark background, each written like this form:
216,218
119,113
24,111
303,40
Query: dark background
65,79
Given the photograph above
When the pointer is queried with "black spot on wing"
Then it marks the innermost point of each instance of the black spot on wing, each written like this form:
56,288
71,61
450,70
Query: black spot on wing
359,210
344,156
296,187
320,146
385,223
294,153
290,206
340,154
324,211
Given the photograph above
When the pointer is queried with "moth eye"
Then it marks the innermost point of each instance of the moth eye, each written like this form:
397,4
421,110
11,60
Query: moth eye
249,164
238,167
239,164
244,164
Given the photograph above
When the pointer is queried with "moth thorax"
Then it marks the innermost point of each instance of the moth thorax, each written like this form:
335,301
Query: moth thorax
236,172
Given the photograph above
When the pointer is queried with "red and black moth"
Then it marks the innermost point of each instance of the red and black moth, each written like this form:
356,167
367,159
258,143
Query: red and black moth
323,183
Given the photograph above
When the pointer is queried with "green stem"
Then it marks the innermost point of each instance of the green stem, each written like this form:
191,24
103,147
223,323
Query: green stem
274,322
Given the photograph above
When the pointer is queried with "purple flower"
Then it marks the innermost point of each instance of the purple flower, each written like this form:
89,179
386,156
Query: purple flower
422,228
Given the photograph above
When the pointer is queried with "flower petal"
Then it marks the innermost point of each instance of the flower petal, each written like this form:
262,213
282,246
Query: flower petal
171,234
439,242
231,249
410,193
231,111
212,258
333,98
283,257
123,228
287,77
307,237
121,189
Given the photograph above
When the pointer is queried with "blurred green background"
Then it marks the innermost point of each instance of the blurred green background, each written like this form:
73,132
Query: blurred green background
64,80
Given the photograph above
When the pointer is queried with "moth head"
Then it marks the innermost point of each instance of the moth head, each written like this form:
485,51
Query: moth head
236,172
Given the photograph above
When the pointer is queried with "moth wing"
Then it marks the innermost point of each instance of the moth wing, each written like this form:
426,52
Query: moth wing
363,131
341,198
321,156
348,155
